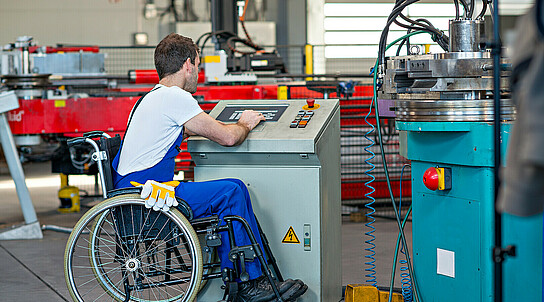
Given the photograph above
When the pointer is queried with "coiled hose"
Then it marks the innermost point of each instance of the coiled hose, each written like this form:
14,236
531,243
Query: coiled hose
371,263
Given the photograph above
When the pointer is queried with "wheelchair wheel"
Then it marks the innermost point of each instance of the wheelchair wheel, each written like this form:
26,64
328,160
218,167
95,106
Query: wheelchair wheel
119,248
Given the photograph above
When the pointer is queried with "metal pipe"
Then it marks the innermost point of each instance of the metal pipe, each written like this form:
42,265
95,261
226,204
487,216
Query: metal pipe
466,35
56,228
16,170
25,61
99,162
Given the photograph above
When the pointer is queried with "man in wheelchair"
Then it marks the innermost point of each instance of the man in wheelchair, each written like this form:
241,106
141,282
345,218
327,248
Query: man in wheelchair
158,123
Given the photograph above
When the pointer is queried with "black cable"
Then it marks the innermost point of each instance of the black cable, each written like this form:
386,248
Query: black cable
243,41
399,7
231,42
438,35
217,34
230,38
249,40
204,44
170,9
402,44
471,12
200,38
456,3
440,38
484,8
465,6
496,52
415,25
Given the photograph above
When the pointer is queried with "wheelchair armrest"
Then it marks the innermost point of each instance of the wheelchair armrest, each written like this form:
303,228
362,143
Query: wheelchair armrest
183,207
93,134
121,191
75,141
204,222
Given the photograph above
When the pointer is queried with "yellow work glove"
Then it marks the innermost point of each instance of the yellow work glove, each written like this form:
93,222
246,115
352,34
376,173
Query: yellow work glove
159,196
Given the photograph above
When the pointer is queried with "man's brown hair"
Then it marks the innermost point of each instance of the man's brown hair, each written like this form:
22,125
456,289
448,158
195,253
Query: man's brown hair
172,52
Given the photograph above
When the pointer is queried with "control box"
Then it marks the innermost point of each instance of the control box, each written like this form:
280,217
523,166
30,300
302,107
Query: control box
291,166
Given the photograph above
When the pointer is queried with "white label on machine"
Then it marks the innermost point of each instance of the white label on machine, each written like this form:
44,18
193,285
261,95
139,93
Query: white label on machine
445,262
258,63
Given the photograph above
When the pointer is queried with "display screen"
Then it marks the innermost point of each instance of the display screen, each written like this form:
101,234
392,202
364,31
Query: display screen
232,113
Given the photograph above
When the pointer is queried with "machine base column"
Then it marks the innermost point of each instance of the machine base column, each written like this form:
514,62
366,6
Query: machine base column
31,230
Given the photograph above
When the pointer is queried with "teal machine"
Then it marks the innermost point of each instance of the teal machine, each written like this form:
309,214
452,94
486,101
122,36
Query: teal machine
291,167
443,105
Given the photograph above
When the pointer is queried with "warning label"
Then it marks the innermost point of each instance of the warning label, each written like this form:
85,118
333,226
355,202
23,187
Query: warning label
290,237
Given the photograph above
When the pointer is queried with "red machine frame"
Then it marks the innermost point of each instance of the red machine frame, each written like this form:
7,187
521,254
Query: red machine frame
74,116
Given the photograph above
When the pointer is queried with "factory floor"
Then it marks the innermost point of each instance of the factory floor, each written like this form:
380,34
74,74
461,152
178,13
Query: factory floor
32,270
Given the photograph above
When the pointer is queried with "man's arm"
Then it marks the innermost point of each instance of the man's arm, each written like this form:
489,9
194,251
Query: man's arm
223,134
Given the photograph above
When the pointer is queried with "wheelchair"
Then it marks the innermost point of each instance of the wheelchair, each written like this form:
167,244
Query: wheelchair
121,251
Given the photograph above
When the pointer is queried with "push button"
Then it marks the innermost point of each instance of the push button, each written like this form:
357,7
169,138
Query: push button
430,178
437,178
310,103
294,124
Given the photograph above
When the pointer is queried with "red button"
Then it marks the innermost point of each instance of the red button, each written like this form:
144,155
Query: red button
430,179
310,103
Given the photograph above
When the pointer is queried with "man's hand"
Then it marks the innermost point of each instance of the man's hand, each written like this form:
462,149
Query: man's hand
224,134
251,119
159,196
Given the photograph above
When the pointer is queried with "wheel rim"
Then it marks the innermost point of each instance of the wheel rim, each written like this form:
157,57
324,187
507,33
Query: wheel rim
110,252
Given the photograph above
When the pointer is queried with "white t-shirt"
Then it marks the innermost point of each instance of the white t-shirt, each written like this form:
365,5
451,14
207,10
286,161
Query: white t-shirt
155,126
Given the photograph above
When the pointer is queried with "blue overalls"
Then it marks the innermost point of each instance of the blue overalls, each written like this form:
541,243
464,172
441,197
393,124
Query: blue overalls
218,197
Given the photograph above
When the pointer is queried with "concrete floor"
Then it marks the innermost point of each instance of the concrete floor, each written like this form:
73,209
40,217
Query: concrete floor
31,270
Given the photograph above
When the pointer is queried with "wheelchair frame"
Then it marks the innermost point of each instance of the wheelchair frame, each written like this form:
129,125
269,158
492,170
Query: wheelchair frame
176,225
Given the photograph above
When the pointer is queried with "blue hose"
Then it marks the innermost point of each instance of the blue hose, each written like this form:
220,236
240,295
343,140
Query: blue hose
405,280
371,264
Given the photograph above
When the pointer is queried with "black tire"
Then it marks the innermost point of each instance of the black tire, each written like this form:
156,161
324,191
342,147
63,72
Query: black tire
120,244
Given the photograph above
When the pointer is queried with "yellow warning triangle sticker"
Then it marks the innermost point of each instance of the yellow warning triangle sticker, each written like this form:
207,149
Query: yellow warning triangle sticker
290,237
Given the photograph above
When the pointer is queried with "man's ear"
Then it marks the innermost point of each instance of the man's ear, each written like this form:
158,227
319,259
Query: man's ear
187,65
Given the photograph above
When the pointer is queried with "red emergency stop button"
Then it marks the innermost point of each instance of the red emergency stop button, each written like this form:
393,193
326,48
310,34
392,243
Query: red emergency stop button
310,104
431,178
437,178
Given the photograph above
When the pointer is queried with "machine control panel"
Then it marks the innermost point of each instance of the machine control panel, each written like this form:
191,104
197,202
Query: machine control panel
290,126
232,113
272,113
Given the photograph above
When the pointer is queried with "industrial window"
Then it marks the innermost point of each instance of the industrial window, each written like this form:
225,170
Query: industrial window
352,30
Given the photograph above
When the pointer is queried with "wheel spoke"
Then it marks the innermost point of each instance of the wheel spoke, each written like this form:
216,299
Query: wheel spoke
124,241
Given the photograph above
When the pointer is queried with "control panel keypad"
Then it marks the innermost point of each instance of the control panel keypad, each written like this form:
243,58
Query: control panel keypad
302,119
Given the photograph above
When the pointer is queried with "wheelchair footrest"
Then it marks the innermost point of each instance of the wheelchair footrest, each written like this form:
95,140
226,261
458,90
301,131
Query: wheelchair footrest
242,253
246,252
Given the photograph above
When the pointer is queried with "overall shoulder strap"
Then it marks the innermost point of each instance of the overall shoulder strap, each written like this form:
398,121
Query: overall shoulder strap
134,109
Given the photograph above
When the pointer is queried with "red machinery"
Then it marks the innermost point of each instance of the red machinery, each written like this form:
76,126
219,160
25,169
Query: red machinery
68,116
